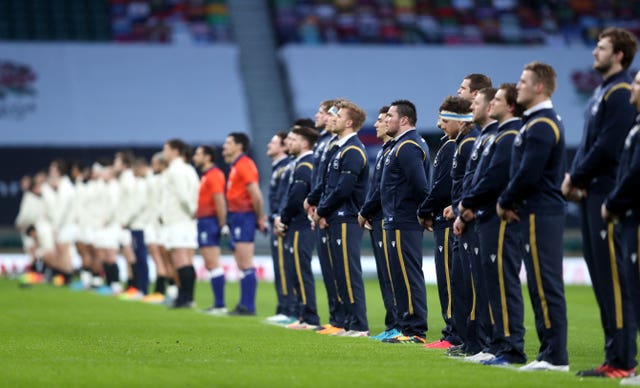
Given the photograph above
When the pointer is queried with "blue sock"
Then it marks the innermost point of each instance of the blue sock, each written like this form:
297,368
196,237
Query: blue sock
248,286
217,286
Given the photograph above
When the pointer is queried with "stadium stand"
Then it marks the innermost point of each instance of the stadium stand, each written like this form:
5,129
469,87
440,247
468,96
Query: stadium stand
449,21
158,21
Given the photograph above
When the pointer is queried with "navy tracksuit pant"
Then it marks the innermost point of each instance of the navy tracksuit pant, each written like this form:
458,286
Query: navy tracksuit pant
344,244
501,253
461,290
478,321
300,241
602,246
283,284
631,246
443,257
141,266
336,309
542,235
404,249
384,275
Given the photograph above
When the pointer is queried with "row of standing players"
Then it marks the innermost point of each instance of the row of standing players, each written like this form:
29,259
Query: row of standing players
165,211
496,198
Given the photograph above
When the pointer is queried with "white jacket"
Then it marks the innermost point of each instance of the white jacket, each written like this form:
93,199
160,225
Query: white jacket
180,187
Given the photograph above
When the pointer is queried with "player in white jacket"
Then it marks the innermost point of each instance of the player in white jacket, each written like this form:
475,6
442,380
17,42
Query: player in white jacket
178,207
58,195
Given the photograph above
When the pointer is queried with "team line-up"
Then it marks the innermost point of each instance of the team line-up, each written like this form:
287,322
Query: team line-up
494,196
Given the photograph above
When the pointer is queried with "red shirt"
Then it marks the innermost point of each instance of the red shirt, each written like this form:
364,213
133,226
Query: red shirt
211,182
243,172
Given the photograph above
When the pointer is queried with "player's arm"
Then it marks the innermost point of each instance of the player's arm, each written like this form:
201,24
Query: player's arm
617,120
353,162
540,141
494,178
626,190
440,195
256,199
296,194
411,157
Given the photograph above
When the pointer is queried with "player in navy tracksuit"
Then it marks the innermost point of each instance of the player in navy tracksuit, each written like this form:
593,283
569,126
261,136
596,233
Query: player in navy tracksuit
404,185
343,196
451,114
276,149
322,153
370,217
295,226
623,203
461,284
501,250
478,322
608,117
533,202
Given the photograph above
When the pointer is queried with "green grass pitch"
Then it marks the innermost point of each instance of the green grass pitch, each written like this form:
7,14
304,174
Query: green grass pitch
56,337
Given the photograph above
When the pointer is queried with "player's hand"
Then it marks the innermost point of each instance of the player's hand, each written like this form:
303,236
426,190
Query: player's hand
364,223
262,224
427,223
458,227
467,215
322,223
571,192
607,216
306,205
507,214
448,213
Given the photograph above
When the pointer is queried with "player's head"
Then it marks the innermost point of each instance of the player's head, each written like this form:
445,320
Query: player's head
57,169
504,104
175,148
380,124
203,157
301,140
537,83
277,146
140,167
158,163
123,160
235,145
480,105
402,115
454,115
321,115
614,51
471,84
350,117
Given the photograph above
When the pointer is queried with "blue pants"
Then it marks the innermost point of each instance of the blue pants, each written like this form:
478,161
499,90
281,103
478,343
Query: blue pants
501,252
384,276
141,267
336,309
443,260
461,290
478,321
344,246
542,235
404,249
283,284
603,254
300,242
631,245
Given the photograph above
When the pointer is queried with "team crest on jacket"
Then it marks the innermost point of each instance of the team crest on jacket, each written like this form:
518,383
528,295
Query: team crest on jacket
336,164
518,140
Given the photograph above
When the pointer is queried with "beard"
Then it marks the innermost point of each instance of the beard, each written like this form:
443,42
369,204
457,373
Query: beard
602,67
